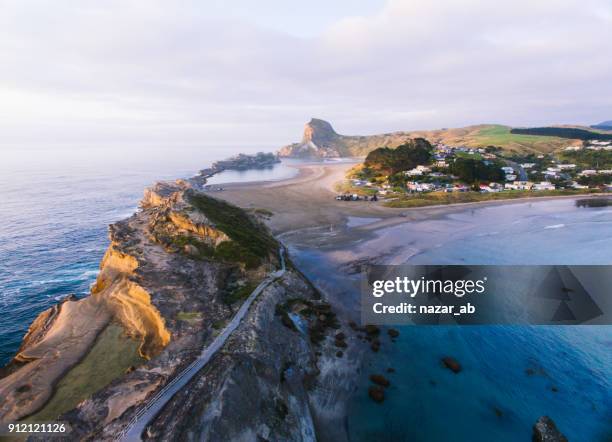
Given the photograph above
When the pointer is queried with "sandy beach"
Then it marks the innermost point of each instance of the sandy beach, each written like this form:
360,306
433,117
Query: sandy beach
308,200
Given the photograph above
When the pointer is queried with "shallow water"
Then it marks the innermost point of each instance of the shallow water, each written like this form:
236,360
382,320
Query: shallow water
494,397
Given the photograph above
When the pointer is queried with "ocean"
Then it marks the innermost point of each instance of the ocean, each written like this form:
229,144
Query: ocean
56,207
511,375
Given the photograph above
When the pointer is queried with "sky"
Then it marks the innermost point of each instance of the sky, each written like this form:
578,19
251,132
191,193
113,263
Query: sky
238,73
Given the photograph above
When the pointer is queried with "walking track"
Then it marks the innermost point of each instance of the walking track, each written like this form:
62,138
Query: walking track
145,415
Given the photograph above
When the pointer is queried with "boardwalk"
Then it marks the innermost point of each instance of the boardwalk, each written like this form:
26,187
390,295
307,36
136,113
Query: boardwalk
146,414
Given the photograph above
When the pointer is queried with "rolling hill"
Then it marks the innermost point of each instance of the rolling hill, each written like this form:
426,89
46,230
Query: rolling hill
321,140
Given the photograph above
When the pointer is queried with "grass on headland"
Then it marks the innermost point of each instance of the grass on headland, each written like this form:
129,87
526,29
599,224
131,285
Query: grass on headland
111,355
251,243
188,316
442,198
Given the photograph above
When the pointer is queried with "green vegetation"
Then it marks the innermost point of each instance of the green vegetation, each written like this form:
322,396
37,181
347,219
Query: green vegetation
469,156
387,161
564,132
188,316
473,171
240,294
219,324
588,158
251,243
111,355
497,135
204,250
442,198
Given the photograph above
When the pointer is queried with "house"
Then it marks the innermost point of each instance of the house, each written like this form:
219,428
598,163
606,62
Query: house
566,166
575,185
418,171
528,165
508,169
569,148
419,187
544,185
519,185
588,172
510,177
441,163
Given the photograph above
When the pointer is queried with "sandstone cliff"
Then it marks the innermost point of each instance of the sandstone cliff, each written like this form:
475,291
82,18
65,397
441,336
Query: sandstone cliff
174,274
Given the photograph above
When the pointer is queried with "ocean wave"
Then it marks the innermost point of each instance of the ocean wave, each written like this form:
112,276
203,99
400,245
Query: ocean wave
555,226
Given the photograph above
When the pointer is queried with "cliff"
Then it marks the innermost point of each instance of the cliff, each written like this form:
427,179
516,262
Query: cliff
174,274
320,140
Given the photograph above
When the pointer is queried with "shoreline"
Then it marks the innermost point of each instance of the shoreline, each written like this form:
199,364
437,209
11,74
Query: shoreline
308,201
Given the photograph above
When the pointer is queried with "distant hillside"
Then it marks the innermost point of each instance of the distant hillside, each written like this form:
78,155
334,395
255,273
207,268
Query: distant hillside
604,125
564,132
322,141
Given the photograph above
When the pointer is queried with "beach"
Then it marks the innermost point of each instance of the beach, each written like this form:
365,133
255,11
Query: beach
308,201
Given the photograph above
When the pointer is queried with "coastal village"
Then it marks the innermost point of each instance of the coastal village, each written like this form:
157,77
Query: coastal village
578,168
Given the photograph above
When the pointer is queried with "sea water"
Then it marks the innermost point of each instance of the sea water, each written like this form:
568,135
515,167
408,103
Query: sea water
55,208
511,375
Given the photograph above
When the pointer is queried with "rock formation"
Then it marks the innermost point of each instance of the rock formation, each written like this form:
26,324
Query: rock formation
545,430
173,275
320,140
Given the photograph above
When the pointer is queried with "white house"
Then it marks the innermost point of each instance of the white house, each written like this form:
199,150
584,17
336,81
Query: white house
544,185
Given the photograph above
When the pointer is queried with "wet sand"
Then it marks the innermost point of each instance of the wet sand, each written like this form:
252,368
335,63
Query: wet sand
308,200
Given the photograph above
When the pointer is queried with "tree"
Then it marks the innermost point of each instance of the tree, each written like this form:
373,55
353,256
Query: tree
404,157
472,171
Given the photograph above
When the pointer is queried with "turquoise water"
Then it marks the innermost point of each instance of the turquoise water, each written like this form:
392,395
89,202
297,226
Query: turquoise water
55,209
511,375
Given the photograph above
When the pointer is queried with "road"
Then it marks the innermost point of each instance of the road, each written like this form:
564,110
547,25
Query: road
134,429
522,174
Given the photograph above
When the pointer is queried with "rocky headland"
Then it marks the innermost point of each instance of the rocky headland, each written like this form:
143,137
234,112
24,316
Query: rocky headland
173,276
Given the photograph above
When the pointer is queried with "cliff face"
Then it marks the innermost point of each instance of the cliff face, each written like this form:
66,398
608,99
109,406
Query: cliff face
321,140
174,274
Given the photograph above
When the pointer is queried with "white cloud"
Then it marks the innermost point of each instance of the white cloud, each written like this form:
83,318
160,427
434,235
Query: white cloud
144,71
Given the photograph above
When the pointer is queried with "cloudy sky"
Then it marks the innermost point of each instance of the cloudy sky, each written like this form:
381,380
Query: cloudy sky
242,72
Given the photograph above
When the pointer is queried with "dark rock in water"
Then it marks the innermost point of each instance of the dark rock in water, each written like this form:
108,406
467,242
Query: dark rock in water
379,379
339,354
375,346
545,430
376,393
352,325
529,371
372,330
432,383
393,333
498,412
339,343
341,336
451,364
390,370
554,389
